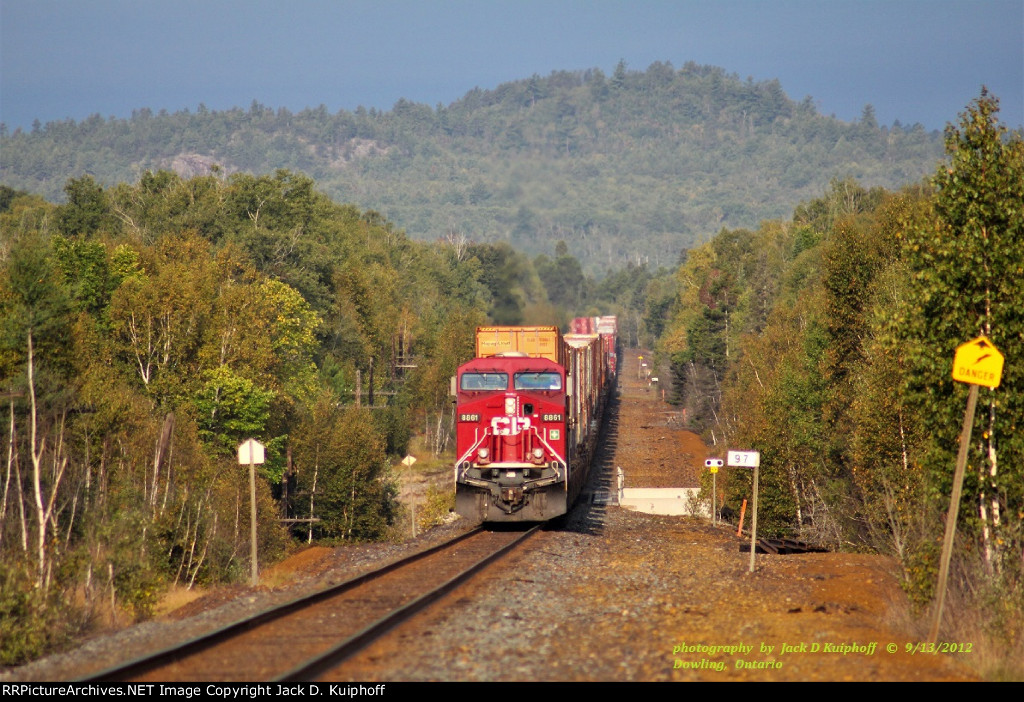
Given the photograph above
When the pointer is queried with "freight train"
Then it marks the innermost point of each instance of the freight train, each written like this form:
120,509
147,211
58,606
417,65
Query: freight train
528,412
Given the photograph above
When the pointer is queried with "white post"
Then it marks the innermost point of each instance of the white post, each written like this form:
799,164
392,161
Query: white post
255,579
753,524
251,452
749,459
714,499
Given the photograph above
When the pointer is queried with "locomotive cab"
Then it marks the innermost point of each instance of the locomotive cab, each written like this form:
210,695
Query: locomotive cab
511,439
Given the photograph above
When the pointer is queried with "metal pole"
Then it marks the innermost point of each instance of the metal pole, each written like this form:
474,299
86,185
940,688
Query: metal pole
954,508
714,499
753,524
252,516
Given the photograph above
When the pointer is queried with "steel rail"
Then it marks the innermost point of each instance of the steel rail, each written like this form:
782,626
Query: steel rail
153,661
314,667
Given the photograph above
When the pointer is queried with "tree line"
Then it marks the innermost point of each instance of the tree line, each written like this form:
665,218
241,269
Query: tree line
147,329
826,342
635,165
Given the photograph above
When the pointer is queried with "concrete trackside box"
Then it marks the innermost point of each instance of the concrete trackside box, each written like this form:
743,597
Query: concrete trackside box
536,342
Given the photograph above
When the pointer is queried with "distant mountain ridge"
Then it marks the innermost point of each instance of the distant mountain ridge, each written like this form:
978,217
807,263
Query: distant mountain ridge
637,165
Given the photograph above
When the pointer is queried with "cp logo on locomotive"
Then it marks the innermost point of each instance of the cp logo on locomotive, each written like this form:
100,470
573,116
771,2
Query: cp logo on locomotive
509,426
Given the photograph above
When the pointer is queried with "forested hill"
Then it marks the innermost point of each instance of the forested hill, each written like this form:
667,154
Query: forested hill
636,164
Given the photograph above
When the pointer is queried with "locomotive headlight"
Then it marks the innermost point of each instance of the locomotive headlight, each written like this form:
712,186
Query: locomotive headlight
483,453
538,453
510,405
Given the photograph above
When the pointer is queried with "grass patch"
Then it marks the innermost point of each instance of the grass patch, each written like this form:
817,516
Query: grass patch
439,504
32,622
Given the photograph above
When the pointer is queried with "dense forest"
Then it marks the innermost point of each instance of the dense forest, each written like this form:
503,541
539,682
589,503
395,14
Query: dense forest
638,165
147,329
826,342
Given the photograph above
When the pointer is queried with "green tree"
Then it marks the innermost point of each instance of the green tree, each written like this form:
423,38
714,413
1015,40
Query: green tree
885,440
619,75
268,328
36,340
87,210
563,280
231,408
86,270
162,313
509,277
7,196
774,403
968,280
341,465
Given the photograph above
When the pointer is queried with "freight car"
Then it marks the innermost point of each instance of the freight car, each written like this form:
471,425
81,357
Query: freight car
608,329
528,410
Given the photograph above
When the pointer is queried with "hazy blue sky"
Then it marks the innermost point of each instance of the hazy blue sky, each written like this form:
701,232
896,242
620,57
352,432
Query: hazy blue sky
914,60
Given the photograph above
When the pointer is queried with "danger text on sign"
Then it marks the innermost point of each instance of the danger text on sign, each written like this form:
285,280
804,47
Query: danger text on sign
978,362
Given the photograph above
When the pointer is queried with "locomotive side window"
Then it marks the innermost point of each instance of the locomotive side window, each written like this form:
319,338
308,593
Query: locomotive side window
538,381
484,381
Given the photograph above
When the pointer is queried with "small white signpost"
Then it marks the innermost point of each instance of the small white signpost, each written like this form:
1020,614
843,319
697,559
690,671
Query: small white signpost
744,459
408,461
252,452
749,459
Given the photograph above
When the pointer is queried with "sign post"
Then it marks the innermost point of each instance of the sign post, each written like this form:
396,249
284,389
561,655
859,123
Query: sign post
977,363
251,452
749,459
713,464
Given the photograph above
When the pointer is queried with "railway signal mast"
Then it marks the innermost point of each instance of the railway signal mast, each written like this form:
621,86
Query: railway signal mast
713,464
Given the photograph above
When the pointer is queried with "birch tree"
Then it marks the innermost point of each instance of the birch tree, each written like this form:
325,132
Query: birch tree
36,324
968,280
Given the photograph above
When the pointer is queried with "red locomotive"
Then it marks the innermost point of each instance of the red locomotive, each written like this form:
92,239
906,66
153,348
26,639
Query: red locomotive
528,411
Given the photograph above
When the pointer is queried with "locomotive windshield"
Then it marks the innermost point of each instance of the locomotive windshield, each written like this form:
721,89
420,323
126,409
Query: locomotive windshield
538,381
484,381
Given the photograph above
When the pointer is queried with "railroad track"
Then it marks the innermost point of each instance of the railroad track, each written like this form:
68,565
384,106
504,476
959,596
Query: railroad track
308,636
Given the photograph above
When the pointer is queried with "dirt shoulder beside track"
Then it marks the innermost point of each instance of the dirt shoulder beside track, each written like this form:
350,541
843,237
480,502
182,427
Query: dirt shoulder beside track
690,606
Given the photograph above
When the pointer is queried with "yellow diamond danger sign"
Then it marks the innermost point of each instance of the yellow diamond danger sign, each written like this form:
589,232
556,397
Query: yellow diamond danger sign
978,362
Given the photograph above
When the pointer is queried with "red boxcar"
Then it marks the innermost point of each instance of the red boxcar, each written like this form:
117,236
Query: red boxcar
608,328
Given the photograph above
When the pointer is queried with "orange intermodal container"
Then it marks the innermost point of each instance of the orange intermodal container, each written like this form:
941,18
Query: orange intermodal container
536,342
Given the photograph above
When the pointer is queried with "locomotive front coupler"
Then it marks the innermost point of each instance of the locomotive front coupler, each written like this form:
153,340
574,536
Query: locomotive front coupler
513,496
